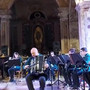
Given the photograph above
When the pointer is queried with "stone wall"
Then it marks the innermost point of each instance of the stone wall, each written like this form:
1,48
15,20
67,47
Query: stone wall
69,29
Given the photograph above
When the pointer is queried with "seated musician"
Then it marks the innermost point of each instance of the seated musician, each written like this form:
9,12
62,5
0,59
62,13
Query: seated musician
34,75
3,63
86,71
67,72
53,61
12,70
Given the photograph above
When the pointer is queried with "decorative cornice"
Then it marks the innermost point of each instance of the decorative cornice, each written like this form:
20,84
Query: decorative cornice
4,18
5,12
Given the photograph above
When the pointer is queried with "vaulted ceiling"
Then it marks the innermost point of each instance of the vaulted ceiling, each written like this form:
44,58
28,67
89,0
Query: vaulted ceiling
6,4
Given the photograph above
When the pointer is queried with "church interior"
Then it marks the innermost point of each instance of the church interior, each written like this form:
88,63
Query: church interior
48,25
29,23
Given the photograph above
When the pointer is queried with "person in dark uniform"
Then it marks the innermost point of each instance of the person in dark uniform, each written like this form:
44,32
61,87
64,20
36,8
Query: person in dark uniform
67,72
11,70
53,61
3,65
85,70
34,75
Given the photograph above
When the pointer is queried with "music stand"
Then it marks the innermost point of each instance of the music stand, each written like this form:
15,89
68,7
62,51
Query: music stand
14,62
3,59
59,62
64,58
78,60
2,62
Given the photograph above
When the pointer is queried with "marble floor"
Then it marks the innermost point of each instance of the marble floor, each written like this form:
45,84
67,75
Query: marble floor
20,84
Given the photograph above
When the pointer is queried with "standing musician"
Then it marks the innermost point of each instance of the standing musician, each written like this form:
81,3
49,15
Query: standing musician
34,75
12,70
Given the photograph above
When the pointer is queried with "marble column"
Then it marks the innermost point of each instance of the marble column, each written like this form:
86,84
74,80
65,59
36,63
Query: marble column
83,10
5,31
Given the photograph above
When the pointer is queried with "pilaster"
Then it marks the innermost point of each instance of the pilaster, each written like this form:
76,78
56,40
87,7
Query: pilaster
68,28
63,14
4,33
83,10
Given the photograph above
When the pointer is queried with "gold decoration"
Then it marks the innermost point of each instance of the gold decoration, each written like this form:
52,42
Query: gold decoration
38,36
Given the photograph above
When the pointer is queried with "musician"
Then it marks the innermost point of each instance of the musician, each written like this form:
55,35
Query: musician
12,70
86,57
67,72
3,65
86,71
34,75
53,61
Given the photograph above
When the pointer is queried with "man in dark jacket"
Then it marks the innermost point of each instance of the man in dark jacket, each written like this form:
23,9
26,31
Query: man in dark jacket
85,70
33,75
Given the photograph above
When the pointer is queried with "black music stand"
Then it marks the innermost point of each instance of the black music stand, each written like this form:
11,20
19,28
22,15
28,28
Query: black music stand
3,60
66,62
60,63
14,62
79,62
77,59
64,58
